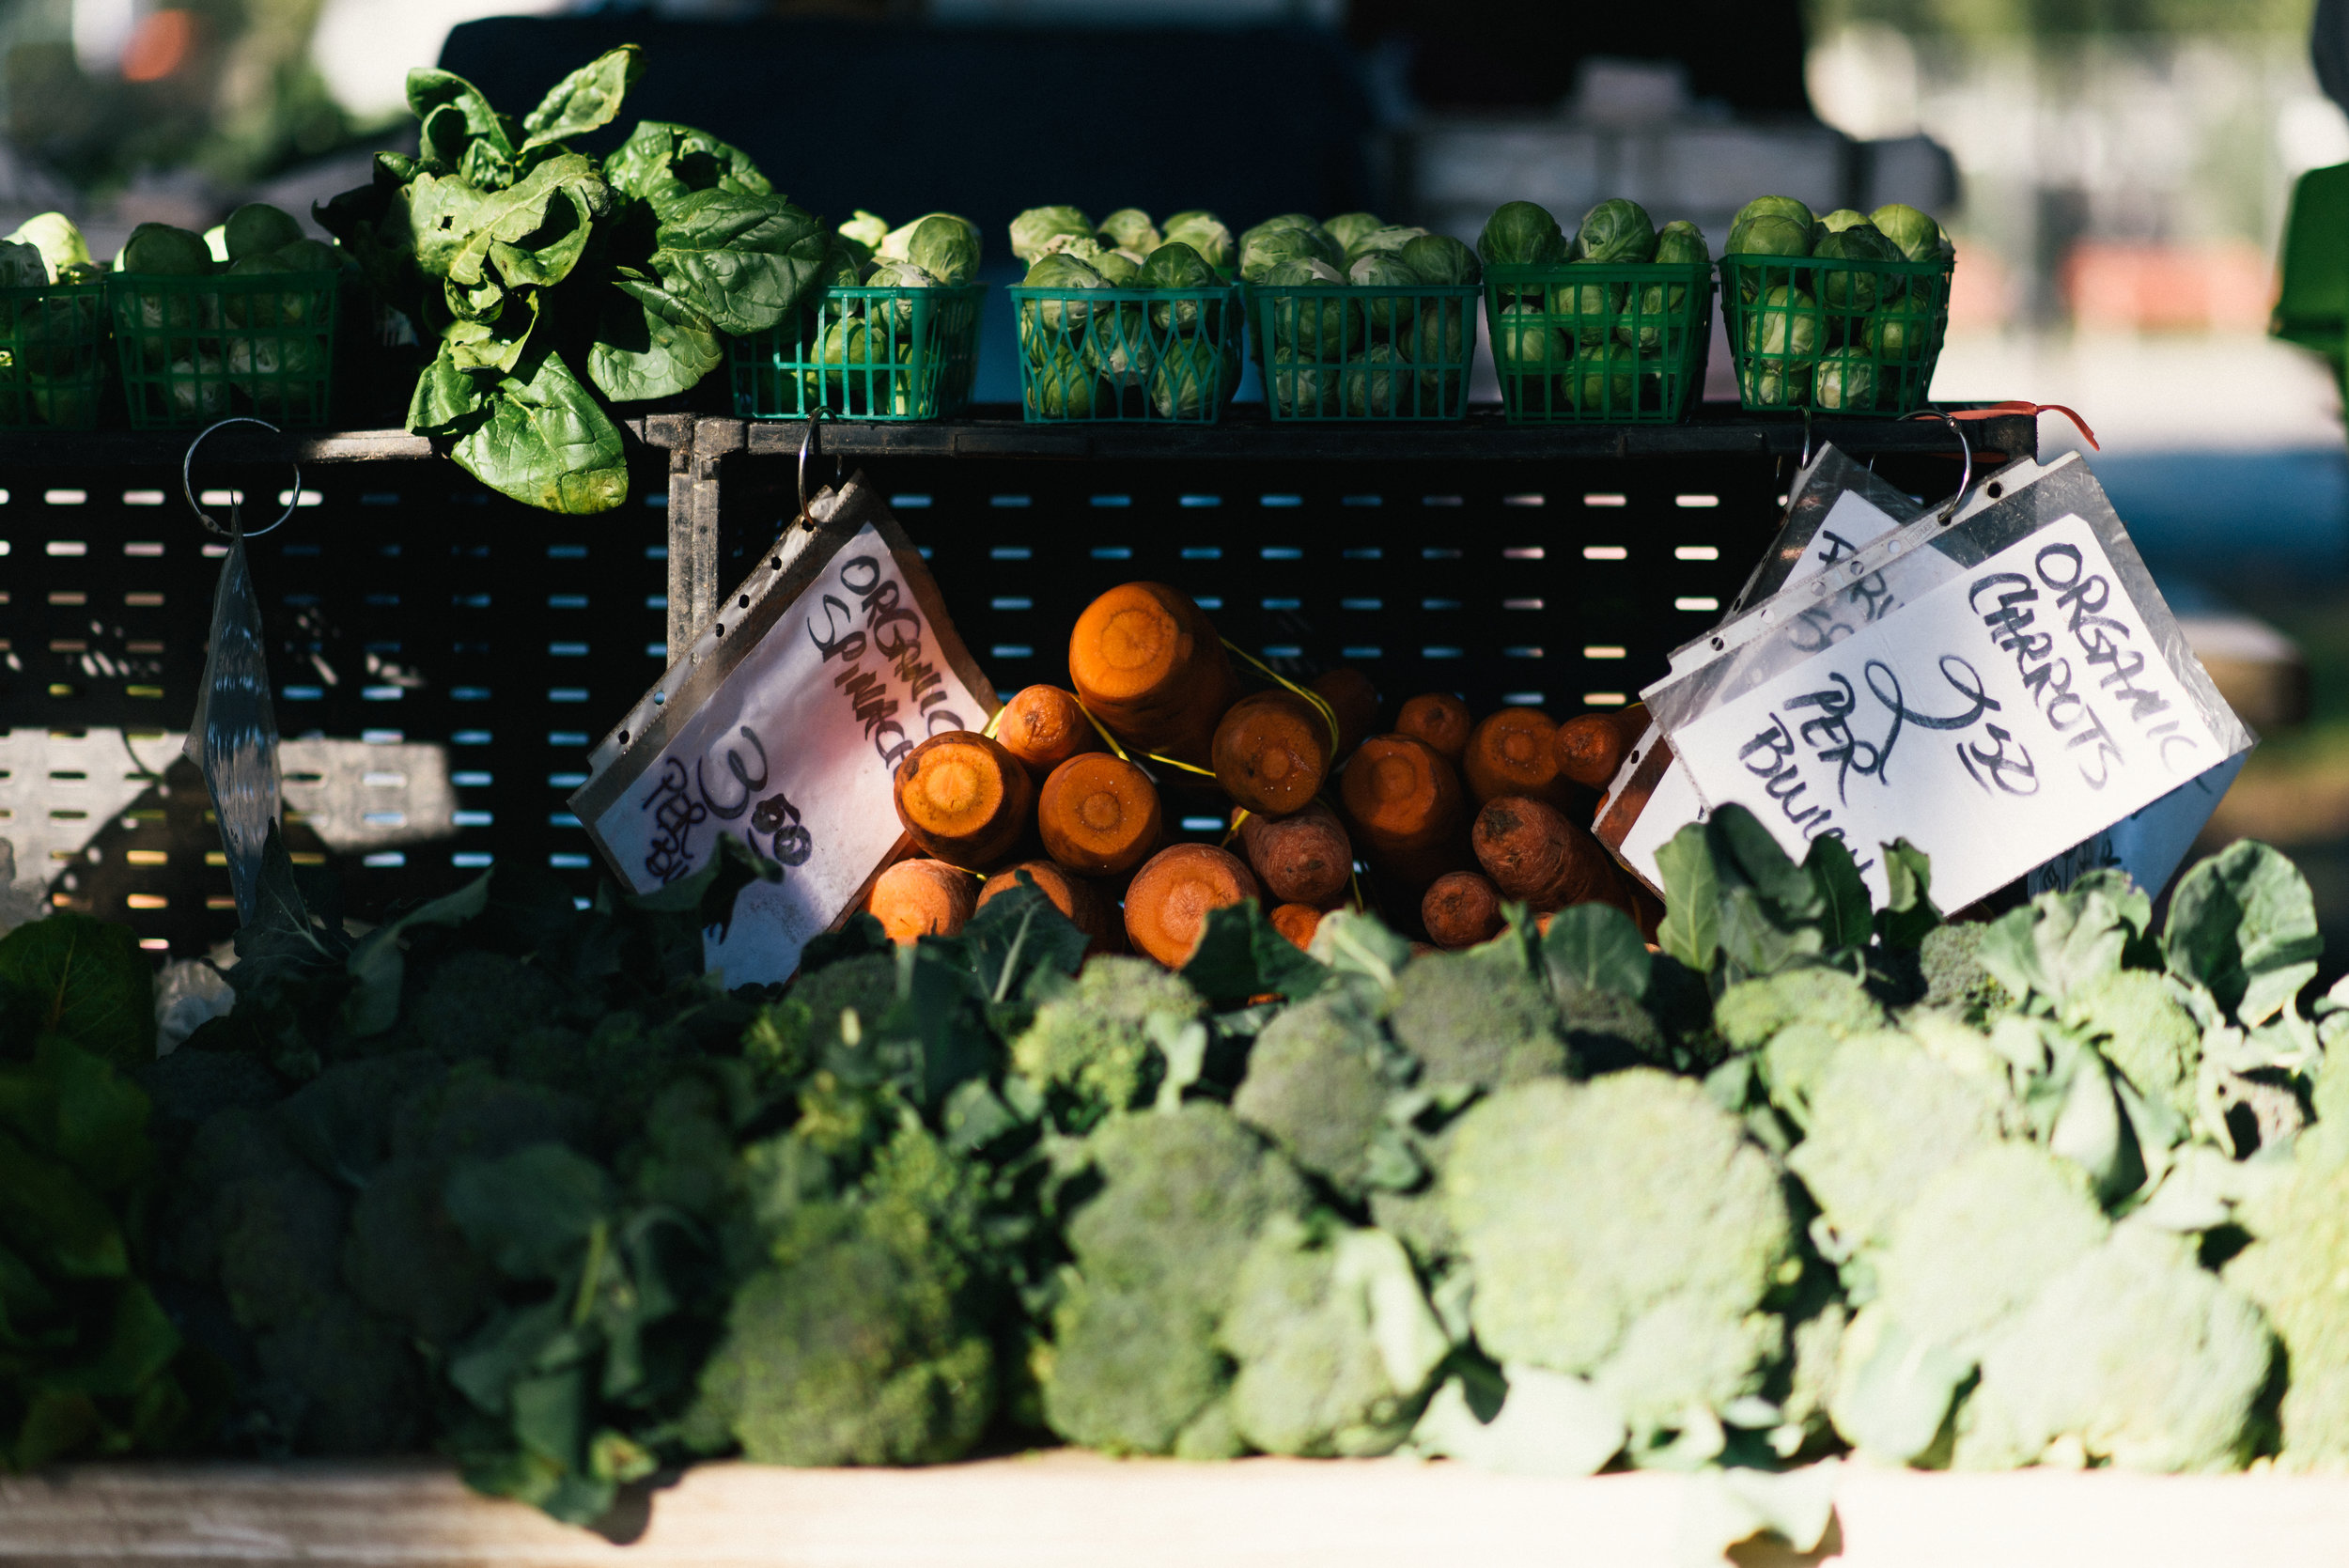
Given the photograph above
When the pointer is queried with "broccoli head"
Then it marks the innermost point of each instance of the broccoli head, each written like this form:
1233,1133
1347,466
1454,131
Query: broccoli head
2297,1270
1315,1085
789,1038
1624,1231
2144,1030
1183,1196
1476,1019
2134,1356
861,1341
1335,1338
477,1002
1605,1030
1949,960
1751,1013
1092,1048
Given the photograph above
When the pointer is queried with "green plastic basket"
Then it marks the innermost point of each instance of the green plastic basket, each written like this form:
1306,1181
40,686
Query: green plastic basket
864,353
1856,338
1164,355
196,349
1333,351
1591,342
52,356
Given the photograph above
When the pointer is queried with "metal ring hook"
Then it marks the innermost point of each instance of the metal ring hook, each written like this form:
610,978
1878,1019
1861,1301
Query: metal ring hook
1804,461
1965,472
187,484
807,445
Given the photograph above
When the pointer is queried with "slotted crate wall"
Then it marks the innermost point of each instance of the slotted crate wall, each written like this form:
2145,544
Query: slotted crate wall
441,658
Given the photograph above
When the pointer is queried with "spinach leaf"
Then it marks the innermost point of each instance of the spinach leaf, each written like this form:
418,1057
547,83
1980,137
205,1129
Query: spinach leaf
661,164
649,343
453,114
448,400
743,261
547,442
85,982
586,100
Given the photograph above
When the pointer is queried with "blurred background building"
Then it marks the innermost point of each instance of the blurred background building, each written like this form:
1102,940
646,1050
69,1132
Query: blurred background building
2116,173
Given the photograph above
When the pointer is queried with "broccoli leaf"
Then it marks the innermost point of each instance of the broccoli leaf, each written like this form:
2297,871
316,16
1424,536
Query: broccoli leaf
1908,912
1240,955
85,982
1595,947
587,99
1842,896
1690,929
533,1212
379,963
744,261
2243,923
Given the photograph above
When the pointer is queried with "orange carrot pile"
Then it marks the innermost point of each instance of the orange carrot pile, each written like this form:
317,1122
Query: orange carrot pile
1297,923
1461,909
1044,726
965,800
1304,857
1438,719
1271,752
923,898
1085,904
1354,701
1406,807
1514,751
1590,749
1147,662
1099,814
1167,904
1534,855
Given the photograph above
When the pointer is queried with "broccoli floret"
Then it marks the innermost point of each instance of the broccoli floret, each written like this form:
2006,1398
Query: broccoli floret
1606,1032
860,1343
190,1087
1183,1195
1091,1046
1751,1013
479,1003
2134,1356
786,1039
1476,1019
2143,1031
1420,1221
1949,961
1316,1087
2297,1270
1881,1116
1624,1231
341,1381
1335,1343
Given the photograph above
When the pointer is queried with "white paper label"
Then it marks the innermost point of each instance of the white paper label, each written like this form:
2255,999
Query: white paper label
794,753
2003,717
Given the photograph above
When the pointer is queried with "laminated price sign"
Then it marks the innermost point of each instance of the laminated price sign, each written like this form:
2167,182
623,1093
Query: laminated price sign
2013,689
783,727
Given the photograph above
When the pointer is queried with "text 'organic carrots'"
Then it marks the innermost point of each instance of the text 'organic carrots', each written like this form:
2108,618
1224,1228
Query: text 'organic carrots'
1043,726
1099,814
1460,909
1534,854
1304,857
1514,751
1438,719
1167,902
1073,896
923,898
1406,807
1271,752
1147,661
964,798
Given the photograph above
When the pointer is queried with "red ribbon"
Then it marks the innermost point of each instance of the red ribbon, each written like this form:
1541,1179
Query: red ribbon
1997,411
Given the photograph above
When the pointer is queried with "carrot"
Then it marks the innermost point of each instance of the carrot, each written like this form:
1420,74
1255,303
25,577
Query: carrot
1297,923
923,898
1406,807
1590,748
1271,752
1044,726
1535,854
1099,814
1167,906
1355,701
1514,751
1461,909
1147,662
1073,896
965,800
1304,857
1441,720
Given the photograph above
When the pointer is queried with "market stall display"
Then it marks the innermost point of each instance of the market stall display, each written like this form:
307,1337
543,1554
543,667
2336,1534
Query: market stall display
53,328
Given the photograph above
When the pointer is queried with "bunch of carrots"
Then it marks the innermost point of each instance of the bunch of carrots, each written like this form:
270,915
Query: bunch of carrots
1451,815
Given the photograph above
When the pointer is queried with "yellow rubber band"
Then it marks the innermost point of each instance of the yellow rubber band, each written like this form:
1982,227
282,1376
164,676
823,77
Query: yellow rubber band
1174,762
1240,815
995,721
1321,704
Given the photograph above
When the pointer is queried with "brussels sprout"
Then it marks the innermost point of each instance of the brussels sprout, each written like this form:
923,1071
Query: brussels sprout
58,336
1307,330
1916,235
867,229
944,246
256,228
848,347
1032,231
1894,339
1128,228
1845,379
197,386
22,266
1387,241
1776,207
1681,243
1118,346
1061,387
1614,231
1440,260
1123,269
1524,342
1378,385
1056,315
263,310
1593,306
1346,228
1773,384
1603,382
161,249
1261,250
309,255
1203,232
895,314
64,405
58,240
1841,219
1379,271
1844,290
1301,391
1783,325
1176,265
1770,234
1519,231
841,268
262,368
1193,378
1440,347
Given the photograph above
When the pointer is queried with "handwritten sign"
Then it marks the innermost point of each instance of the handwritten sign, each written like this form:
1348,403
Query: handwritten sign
783,728
2017,709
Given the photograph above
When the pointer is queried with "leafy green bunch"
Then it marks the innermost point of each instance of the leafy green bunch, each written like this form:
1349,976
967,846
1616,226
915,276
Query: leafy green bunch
520,260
